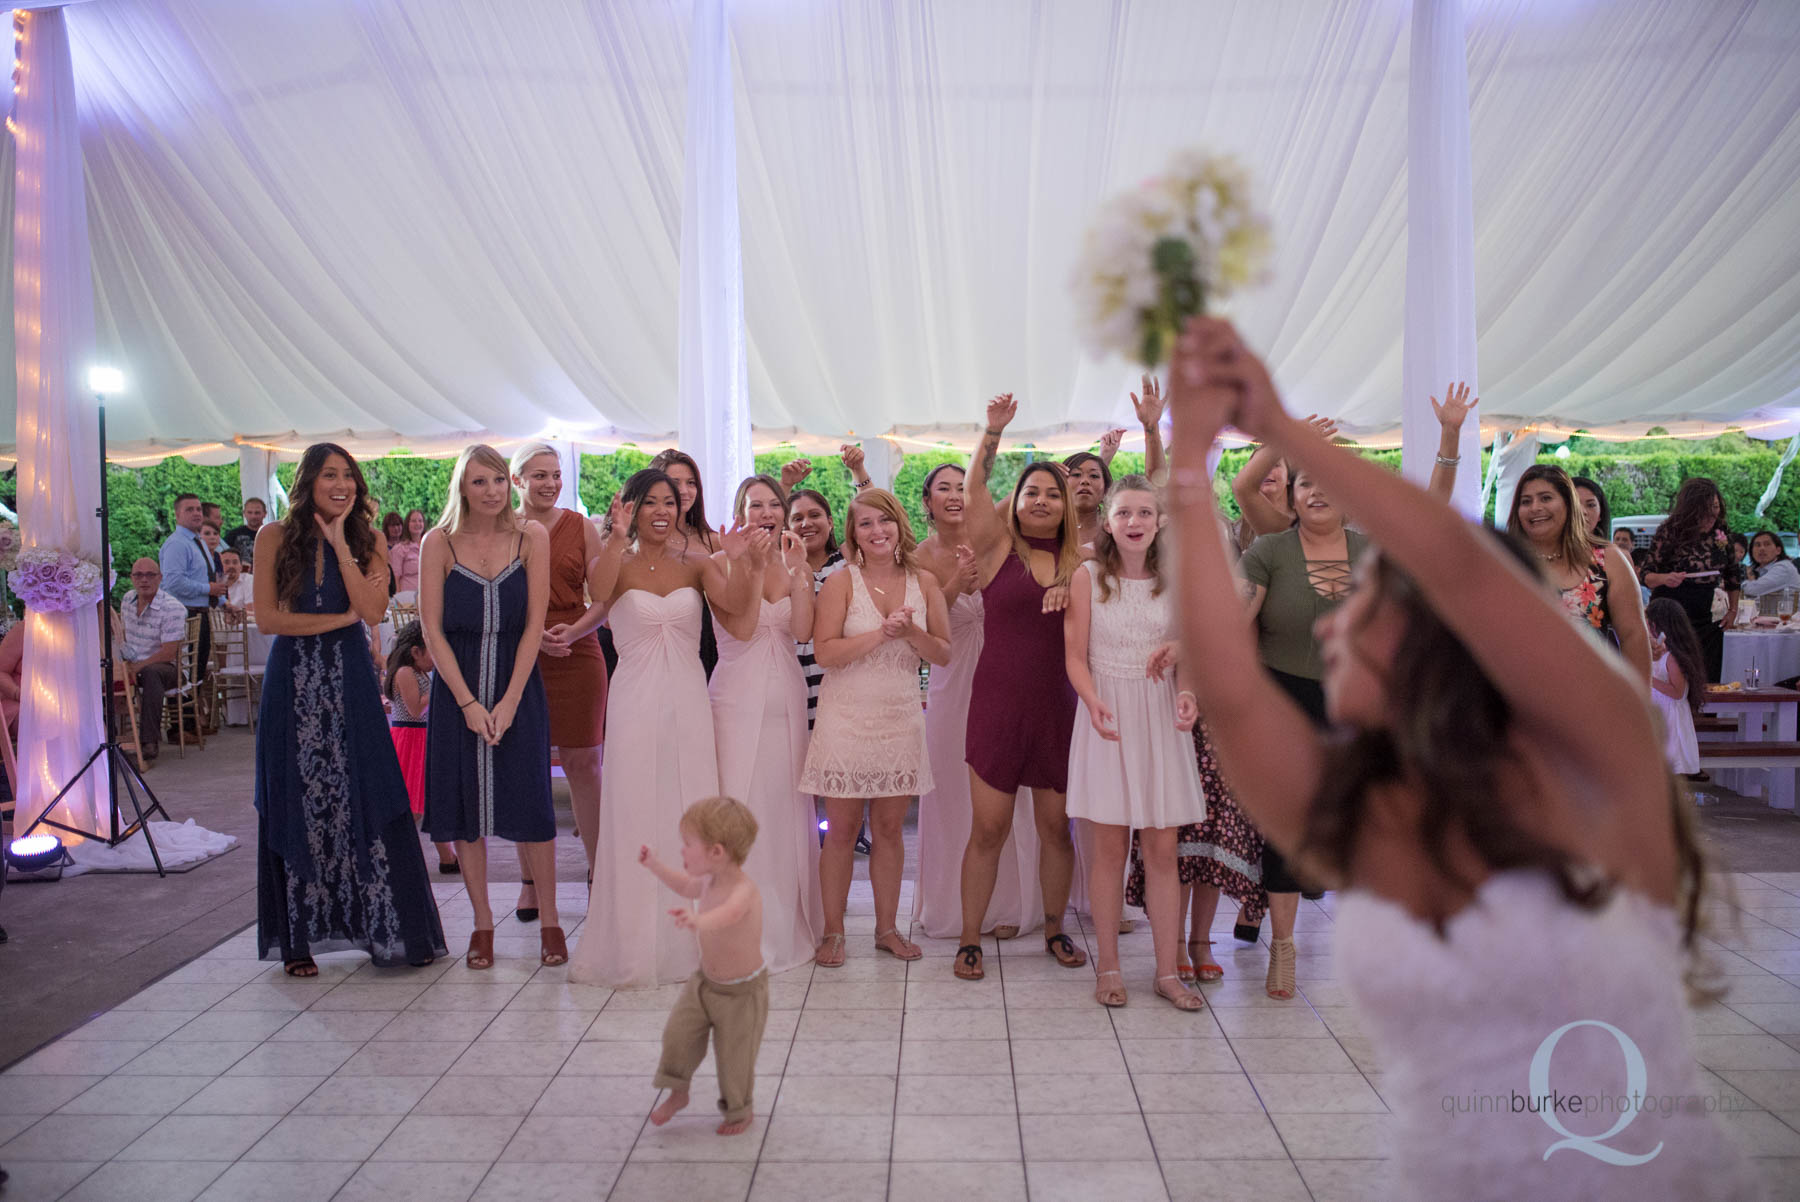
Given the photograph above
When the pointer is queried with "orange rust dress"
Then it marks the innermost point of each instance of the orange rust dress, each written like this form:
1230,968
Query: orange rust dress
576,682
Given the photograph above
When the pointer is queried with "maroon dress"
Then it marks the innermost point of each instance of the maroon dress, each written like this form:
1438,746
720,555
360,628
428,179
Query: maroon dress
1022,706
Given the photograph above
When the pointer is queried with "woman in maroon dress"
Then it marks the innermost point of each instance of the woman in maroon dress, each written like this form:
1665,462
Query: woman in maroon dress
569,658
1021,708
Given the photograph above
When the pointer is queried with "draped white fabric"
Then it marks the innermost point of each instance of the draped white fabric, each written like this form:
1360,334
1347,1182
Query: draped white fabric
421,219
714,377
60,715
1439,341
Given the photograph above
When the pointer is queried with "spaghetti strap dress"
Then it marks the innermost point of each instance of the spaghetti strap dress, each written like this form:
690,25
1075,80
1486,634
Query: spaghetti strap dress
1022,706
338,862
575,684
474,789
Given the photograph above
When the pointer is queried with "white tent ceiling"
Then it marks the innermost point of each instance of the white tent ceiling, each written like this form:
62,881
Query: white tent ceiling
418,220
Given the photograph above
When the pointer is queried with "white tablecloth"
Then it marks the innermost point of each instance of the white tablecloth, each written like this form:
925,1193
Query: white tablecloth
1776,653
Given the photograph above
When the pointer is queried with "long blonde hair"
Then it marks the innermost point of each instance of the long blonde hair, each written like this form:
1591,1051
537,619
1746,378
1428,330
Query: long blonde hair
456,506
1107,560
888,505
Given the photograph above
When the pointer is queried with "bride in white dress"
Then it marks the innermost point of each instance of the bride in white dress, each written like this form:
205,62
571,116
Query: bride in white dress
1520,897
660,755
759,722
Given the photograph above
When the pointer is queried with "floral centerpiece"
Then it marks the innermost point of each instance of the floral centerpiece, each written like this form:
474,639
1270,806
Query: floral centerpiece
55,581
1158,254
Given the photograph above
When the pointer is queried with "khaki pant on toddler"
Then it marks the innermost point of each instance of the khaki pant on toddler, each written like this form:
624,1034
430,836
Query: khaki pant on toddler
735,1016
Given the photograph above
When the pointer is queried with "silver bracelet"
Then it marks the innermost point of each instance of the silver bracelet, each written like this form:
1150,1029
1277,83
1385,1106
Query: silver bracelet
1443,462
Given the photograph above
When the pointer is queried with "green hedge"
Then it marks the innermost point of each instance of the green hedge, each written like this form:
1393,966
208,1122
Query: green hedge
1638,478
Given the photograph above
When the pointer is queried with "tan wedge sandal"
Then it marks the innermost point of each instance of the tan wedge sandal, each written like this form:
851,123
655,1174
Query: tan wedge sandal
1280,984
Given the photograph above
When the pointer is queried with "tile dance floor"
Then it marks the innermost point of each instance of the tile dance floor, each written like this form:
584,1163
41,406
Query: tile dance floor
227,1080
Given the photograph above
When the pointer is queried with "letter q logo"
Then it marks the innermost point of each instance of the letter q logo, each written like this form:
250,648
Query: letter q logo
1636,1077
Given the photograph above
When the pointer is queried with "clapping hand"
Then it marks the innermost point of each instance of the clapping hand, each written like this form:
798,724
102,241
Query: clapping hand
735,542
793,553
794,471
968,569
896,624
762,542
1455,407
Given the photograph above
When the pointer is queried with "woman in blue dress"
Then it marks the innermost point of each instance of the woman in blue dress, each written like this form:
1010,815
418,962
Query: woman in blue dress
338,861
484,586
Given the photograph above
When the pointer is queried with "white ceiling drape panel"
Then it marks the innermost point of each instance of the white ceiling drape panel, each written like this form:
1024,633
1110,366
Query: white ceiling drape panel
409,222
419,217
917,178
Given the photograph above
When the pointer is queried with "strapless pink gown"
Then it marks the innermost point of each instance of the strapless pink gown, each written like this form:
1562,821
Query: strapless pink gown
759,721
660,759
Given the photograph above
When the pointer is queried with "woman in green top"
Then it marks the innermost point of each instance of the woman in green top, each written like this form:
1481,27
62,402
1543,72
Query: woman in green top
1297,576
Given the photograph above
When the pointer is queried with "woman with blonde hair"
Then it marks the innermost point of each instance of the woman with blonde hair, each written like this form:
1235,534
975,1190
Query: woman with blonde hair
569,659
758,697
876,620
484,584
1021,707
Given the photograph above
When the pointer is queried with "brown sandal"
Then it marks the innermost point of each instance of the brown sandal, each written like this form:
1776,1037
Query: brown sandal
553,949
1065,951
481,949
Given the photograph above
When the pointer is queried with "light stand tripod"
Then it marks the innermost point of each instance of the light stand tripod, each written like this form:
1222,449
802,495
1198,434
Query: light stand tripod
119,768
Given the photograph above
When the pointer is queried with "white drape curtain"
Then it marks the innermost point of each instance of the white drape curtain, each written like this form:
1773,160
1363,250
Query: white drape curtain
714,376
60,714
1439,340
426,219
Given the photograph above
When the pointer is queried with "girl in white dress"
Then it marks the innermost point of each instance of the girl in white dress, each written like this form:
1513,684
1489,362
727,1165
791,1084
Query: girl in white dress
1677,680
1131,760
946,812
659,732
1521,898
759,724
876,620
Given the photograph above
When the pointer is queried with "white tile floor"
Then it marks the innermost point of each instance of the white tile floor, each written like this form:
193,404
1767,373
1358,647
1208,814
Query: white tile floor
227,1080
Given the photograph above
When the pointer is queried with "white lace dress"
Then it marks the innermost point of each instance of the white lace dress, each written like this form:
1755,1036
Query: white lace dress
1461,1025
1148,779
869,739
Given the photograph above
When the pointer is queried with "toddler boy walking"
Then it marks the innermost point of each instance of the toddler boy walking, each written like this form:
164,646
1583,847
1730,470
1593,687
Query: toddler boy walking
728,996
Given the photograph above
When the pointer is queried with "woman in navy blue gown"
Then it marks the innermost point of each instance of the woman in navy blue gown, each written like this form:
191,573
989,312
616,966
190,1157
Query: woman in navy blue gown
484,587
338,860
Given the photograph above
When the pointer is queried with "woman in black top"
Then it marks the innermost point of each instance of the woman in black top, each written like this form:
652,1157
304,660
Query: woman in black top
1690,556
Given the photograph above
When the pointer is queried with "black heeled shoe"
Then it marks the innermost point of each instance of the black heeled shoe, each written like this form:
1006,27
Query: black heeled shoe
527,913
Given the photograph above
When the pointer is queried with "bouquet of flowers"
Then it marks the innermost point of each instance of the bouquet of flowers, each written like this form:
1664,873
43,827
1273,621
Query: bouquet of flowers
55,581
1157,254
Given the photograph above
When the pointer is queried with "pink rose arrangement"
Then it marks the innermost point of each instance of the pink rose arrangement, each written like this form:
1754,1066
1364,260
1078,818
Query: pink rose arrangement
55,581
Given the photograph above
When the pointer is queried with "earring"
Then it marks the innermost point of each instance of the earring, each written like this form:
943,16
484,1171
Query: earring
896,554
859,557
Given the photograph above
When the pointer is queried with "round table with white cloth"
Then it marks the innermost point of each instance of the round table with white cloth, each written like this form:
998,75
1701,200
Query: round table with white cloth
1774,653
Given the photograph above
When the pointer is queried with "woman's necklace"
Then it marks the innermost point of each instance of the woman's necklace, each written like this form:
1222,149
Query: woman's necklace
663,558
1548,558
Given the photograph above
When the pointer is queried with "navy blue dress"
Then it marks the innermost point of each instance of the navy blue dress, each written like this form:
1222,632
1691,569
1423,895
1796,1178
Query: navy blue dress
338,859
473,790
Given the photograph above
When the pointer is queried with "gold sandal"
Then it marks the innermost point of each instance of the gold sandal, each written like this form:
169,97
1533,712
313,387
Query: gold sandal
1110,995
1182,999
830,952
1280,984
908,950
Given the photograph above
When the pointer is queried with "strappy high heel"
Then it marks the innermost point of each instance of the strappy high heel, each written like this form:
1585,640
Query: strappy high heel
1280,984
1204,967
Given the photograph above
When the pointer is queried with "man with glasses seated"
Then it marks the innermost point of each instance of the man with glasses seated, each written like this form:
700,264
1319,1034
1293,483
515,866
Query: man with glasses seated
151,629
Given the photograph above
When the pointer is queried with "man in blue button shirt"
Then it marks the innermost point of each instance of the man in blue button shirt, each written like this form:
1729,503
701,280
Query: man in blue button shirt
187,573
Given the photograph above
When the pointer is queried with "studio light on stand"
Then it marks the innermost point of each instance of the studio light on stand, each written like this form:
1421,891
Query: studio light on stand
102,382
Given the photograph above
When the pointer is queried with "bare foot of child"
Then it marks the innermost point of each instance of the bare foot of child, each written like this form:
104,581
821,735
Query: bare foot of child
677,1100
729,1128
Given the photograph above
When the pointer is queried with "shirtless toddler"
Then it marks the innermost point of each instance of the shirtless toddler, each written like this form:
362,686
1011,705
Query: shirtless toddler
728,996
